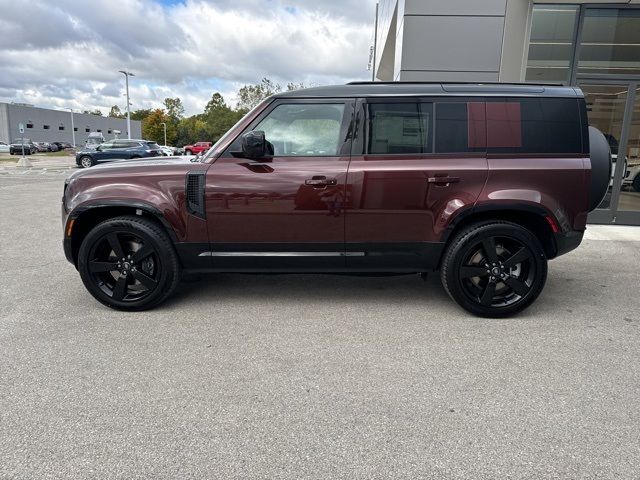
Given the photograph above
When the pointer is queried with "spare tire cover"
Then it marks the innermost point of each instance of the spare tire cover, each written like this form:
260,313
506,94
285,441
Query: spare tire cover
600,167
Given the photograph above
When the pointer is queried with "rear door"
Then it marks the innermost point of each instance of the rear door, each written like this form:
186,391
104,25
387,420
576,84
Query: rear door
284,212
416,162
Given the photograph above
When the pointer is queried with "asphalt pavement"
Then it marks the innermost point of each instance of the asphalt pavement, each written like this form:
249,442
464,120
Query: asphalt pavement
312,376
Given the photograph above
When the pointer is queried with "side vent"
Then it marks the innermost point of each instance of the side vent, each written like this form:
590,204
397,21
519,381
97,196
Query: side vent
195,193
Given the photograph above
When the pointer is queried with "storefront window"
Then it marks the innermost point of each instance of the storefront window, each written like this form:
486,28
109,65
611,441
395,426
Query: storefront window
610,42
551,43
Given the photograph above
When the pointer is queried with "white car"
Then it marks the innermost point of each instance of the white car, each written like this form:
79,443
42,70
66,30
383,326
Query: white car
4,148
168,150
632,177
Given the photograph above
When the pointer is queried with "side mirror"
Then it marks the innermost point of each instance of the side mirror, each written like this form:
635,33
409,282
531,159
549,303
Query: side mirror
254,144
99,148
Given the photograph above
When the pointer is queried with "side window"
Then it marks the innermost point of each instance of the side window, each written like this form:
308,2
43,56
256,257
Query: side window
459,127
304,129
534,125
107,145
399,128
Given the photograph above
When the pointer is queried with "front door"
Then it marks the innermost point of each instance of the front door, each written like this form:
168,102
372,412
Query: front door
284,212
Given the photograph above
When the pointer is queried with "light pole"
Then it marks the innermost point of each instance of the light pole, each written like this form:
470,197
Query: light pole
73,129
126,77
165,133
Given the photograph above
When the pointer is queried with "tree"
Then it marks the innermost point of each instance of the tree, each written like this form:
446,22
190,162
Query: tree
216,104
174,108
152,128
140,114
251,95
115,112
96,112
219,117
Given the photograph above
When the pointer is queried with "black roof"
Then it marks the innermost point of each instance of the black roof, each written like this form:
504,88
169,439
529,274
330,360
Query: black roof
373,89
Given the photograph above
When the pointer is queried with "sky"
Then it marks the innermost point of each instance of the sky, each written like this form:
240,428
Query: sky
67,53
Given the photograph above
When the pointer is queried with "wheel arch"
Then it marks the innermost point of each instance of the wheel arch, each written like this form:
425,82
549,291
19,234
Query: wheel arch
87,217
535,219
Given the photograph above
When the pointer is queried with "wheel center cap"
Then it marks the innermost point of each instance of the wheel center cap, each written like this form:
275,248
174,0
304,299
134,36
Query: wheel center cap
495,271
126,266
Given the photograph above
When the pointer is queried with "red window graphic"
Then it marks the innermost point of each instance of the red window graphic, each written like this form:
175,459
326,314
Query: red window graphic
504,125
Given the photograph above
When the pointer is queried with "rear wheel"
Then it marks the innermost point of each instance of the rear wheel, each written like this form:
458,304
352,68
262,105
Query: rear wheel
188,152
494,269
128,263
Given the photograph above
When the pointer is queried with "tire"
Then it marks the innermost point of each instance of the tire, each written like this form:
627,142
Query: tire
129,263
636,183
497,284
86,161
601,164
188,152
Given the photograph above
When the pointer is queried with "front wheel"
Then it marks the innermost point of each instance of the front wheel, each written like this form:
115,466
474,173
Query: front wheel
86,162
129,263
494,269
188,152
636,183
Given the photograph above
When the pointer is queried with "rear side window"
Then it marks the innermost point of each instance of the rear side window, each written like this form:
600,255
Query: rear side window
459,127
399,128
534,125
153,145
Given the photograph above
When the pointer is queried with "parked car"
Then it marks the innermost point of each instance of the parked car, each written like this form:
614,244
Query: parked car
20,145
42,146
168,150
117,150
4,148
470,180
197,148
93,140
632,176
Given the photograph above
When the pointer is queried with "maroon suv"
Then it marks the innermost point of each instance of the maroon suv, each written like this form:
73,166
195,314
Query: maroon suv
484,183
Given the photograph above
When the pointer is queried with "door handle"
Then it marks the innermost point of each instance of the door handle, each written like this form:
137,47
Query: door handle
443,180
320,181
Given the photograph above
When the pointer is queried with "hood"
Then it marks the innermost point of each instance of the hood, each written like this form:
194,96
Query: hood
120,167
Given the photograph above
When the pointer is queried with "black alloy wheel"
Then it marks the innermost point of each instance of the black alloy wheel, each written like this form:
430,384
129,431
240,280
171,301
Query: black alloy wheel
494,269
128,263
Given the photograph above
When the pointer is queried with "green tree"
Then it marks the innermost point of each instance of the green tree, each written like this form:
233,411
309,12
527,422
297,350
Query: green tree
140,114
115,112
152,128
251,95
174,108
96,112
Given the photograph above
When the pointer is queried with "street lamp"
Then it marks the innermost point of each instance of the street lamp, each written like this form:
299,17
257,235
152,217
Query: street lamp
73,129
165,133
126,76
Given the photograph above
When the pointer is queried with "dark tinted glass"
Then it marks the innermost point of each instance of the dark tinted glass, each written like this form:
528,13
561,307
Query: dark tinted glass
399,128
534,125
452,128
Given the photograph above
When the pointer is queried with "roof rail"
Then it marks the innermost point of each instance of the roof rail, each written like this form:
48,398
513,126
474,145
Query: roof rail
402,82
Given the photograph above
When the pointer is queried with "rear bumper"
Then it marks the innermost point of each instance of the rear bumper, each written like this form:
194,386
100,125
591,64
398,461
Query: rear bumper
567,241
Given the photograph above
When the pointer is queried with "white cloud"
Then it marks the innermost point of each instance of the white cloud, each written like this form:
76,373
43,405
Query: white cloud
67,53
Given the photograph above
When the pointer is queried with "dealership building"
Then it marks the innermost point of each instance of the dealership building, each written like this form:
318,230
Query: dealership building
593,45
47,125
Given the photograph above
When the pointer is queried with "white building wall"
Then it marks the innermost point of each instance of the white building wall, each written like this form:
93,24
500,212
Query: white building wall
457,40
59,124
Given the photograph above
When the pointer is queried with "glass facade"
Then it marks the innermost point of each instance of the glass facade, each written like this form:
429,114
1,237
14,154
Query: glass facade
552,42
598,49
